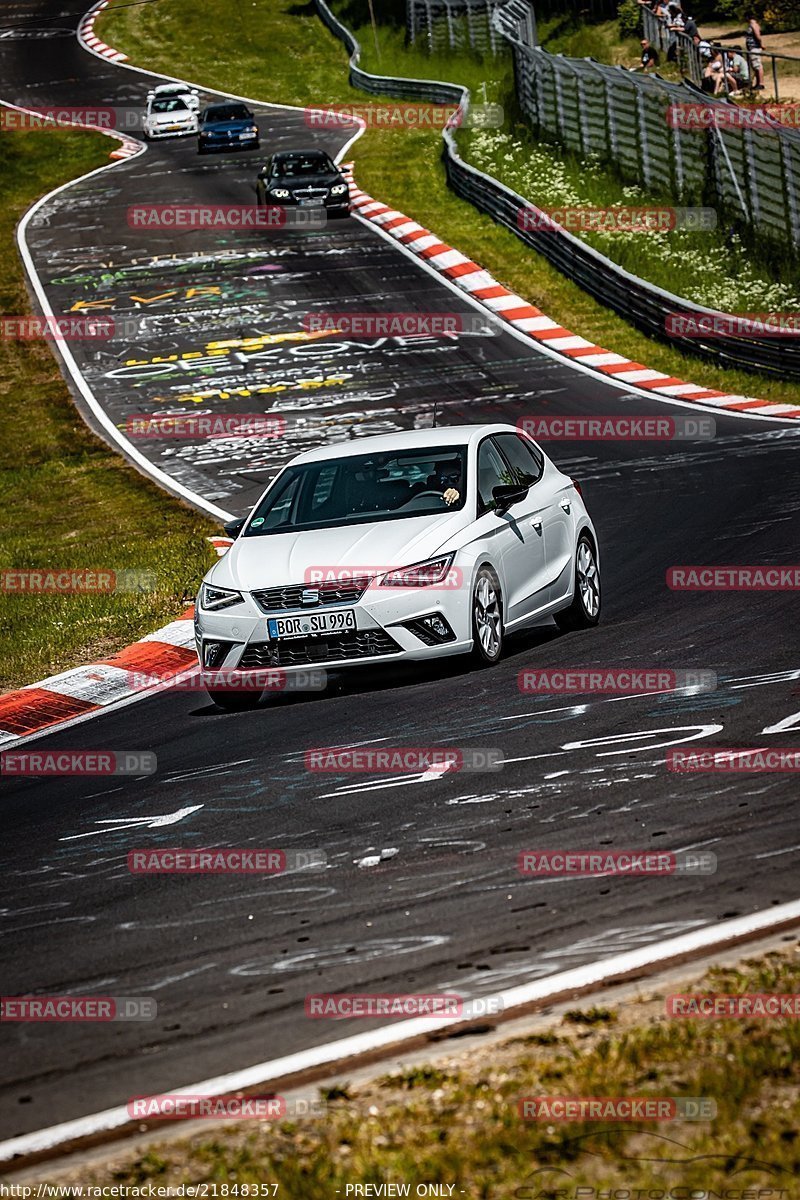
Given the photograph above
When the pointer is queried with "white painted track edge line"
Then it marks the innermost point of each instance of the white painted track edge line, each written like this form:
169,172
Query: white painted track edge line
154,473
393,1035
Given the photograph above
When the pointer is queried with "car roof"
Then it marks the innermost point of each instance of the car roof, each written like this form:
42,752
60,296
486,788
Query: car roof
444,437
313,150
226,104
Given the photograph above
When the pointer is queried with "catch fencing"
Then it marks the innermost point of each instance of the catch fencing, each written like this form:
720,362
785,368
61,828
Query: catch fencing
610,112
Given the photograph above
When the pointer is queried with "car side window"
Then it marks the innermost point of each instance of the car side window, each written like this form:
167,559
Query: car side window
492,471
524,464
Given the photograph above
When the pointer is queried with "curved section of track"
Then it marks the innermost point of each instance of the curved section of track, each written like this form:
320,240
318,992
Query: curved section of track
229,959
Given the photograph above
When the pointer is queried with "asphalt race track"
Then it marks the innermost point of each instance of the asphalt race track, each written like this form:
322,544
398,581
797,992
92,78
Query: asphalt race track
229,958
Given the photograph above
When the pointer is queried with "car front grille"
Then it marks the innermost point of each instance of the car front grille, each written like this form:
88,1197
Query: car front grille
317,651
309,193
284,599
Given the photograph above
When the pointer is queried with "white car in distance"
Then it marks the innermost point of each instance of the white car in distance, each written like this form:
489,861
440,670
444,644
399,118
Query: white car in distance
405,546
169,116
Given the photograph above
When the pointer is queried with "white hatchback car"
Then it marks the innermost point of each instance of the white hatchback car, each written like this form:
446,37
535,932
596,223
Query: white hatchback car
169,116
405,546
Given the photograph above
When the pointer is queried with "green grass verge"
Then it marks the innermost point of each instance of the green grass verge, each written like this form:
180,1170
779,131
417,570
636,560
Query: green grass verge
67,501
244,50
455,1119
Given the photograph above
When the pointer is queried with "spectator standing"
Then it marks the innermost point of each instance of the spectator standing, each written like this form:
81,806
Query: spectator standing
753,45
676,26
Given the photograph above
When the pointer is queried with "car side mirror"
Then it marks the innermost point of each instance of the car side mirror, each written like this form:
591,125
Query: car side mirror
507,494
234,528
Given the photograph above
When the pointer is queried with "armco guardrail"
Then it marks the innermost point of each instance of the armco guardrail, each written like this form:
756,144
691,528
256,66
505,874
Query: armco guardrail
643,304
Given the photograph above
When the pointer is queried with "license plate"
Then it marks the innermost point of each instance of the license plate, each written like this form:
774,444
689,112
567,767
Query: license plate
313,203
312,624
245,137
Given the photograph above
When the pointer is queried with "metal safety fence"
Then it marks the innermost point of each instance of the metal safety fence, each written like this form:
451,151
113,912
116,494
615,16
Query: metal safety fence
587,113
453,25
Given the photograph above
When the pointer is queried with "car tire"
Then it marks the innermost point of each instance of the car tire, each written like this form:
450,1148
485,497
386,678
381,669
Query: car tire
487,618
238,701
584,609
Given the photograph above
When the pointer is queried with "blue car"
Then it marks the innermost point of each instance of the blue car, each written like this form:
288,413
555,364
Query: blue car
226,126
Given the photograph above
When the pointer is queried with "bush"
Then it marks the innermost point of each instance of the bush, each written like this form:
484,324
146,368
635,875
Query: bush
628,14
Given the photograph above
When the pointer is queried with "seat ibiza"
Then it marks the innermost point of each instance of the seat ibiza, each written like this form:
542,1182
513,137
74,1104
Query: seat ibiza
405,546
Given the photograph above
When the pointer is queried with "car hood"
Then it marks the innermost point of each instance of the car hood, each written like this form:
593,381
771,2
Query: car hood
278,559
228,126
171,118
293,182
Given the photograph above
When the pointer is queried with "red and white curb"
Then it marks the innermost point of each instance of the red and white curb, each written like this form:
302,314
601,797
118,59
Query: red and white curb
131,673
523,317
88,38
138,670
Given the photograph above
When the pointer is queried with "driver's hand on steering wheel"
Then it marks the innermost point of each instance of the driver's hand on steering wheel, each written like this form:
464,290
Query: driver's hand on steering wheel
451,496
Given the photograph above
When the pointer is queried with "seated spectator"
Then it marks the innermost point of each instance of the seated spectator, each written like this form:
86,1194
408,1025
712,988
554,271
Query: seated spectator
648,59
736,71
712,75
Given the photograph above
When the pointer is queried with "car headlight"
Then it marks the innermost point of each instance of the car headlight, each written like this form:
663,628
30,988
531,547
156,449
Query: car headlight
281,193
423,574
215,598
251,129
338,189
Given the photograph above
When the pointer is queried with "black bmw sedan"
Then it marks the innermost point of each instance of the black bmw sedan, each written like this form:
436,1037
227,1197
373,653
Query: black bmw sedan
305,178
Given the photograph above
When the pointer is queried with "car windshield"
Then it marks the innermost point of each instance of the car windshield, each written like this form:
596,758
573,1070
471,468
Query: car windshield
362,488
228,112
303,164
168,106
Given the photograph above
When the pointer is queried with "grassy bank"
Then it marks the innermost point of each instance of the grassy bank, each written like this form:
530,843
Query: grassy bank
222,47
456,1120
68,502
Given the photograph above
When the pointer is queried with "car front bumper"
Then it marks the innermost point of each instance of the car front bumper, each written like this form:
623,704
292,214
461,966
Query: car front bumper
390,624
227,141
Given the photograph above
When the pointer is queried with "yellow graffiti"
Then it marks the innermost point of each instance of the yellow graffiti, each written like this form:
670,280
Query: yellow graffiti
220,349
265,390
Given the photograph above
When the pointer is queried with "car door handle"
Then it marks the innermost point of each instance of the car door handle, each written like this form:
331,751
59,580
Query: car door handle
565,505
537,525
